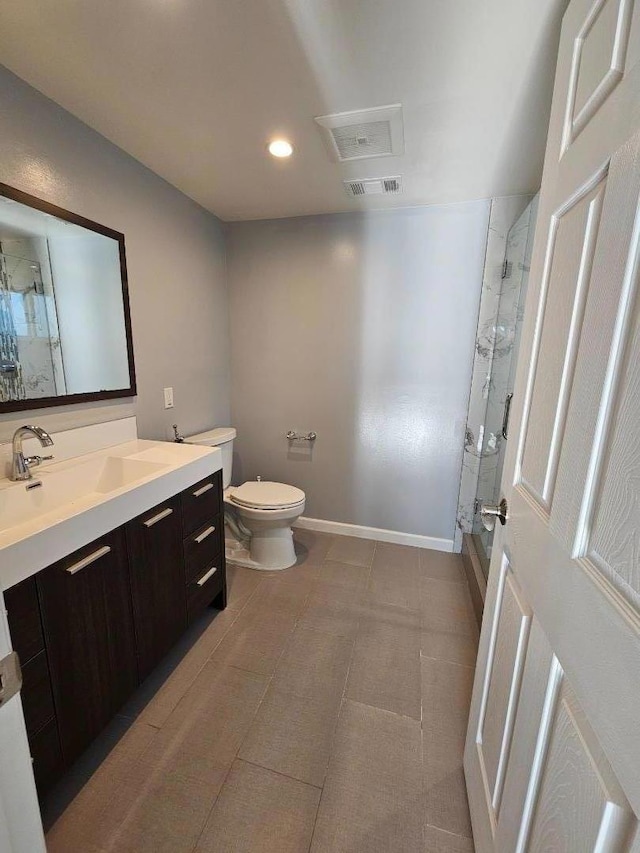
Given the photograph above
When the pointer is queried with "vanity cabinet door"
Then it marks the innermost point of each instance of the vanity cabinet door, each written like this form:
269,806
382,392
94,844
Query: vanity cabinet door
154,542
88,626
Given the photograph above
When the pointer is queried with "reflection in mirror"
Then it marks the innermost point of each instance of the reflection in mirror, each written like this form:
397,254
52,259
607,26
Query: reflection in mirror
64,314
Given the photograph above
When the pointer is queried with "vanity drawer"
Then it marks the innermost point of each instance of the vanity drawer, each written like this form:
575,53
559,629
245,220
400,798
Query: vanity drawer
202,548
37,696
46,755
23,615
201,503
204,588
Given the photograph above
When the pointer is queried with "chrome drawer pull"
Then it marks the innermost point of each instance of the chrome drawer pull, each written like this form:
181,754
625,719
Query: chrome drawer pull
202,490
82,564
156,518
206,577
204,534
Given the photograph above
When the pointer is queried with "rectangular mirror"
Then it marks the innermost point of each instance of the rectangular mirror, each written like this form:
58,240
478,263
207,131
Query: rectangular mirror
65,328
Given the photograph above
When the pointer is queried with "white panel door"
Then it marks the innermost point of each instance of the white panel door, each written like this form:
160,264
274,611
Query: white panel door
552,758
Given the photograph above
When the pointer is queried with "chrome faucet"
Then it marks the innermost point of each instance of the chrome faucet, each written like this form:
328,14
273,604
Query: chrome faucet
21,465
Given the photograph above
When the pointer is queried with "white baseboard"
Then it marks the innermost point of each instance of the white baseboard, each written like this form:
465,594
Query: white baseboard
378,533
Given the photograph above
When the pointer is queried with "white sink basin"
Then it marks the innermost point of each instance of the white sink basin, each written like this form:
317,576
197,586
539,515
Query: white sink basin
55,489
70,503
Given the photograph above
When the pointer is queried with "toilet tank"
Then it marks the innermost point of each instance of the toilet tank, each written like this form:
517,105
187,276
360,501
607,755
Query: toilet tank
221,437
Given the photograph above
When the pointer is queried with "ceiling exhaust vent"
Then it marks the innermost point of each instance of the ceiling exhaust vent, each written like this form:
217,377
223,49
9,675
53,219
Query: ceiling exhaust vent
376,132
373,186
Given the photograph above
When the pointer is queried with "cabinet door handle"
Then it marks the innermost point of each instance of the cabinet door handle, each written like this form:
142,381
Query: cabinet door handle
204,534
86,561
206,576
202,490
156,518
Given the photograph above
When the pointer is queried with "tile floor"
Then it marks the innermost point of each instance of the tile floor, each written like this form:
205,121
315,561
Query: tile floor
325,711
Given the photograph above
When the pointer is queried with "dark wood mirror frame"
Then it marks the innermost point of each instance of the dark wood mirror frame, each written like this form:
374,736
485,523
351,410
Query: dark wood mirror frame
69,399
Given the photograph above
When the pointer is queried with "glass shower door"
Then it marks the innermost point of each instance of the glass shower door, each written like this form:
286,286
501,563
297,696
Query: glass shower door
498,389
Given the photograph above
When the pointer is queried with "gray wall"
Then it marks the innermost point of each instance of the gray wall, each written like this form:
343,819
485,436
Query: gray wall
360,327
175,257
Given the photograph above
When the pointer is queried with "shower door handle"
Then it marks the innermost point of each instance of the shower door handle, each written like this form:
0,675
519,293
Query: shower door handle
505,416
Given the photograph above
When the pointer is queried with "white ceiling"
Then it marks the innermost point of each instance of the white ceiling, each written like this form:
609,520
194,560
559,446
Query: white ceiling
194,89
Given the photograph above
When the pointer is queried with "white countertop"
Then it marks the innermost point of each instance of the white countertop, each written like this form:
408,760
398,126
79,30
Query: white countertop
84,497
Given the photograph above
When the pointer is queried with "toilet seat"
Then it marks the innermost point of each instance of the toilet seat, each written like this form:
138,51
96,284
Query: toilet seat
266,496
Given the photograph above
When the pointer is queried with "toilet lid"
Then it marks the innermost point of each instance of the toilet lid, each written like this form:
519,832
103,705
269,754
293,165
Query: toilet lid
266,495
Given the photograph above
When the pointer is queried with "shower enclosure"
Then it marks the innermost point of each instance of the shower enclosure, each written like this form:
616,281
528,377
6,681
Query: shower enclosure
30,354
497,343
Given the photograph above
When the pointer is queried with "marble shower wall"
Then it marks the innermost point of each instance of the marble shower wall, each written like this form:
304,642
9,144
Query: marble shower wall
497,338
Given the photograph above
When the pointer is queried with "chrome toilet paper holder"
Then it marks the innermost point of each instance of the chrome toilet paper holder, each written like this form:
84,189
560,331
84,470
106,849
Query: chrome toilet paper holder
296,436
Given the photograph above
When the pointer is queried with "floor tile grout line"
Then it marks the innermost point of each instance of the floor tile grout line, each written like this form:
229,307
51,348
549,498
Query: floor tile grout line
447,661
447,831
343,699
240,745
278,773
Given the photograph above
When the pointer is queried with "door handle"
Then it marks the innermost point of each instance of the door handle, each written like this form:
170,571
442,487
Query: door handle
505,416
490,512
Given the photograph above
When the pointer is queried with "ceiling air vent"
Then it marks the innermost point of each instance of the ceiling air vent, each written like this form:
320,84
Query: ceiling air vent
376,132
373,186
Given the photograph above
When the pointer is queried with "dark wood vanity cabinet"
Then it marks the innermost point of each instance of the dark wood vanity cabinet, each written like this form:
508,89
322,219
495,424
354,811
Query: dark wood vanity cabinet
87,617
25,624
154,543
203,527
91,627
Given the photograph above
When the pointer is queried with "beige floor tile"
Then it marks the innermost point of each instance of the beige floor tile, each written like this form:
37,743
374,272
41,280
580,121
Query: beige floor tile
395,576
439,565
259,811
166,813
241,585
332,609
311,547
343,574
390,615
397,557
203,735
293,735
385,668
279,596
446,606
438,841
446,696
452,647
350,549
315,664
387,591
87,822
370,800
160,706
255,641
444,787
299,573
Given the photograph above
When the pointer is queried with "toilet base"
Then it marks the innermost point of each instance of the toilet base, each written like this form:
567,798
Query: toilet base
236,552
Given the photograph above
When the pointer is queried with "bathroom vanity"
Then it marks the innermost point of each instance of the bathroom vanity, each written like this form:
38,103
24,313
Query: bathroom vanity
99,582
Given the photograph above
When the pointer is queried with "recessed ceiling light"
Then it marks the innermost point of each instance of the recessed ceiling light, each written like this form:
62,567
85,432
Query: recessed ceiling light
280,148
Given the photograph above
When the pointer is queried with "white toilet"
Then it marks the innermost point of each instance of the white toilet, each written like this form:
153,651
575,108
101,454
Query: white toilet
258,514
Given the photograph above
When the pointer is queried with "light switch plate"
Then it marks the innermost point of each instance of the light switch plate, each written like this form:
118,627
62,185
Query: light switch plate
168,398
